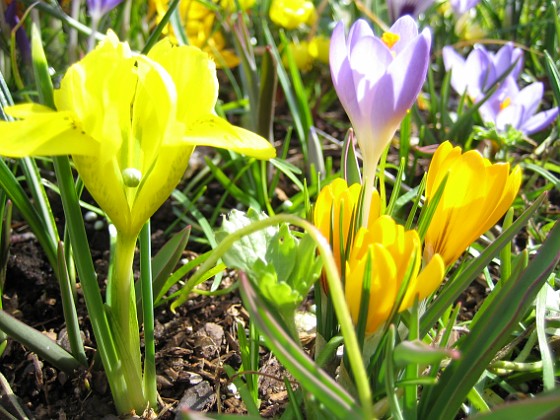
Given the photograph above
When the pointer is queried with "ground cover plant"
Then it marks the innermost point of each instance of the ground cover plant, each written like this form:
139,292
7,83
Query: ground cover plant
286,209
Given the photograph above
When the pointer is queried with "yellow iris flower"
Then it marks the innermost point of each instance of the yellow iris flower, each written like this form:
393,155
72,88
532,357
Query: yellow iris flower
391,250
130,123
333,212
476,196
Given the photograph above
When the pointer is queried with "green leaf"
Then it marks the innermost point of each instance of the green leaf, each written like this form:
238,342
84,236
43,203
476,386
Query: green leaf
39,343
418,352
543,406
294,359
245,252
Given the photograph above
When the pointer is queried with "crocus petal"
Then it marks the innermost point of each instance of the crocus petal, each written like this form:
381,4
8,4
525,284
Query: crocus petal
455,63
475,196
425,283
359,30
407,29
341,72
539,121
477,70
530,98
408,72
512,116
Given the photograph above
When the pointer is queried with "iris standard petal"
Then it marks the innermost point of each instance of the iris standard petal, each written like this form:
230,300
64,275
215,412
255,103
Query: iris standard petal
194,75
166,173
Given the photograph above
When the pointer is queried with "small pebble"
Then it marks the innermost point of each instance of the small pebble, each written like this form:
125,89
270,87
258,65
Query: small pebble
90,216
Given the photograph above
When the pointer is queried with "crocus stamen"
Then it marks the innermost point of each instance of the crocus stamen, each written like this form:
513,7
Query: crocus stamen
131,177
505,103
390,39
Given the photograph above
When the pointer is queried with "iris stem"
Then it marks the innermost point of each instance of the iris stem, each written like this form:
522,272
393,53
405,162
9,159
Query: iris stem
124,323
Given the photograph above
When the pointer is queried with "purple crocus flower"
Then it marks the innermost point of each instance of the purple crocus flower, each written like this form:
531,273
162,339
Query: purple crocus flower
460,7
511,107
22,40
399,8
476,74
377,80
101,7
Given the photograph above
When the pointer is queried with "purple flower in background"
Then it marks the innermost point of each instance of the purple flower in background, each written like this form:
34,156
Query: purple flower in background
22,40
511,107
101,7
377,80
476,74
399,8
462,6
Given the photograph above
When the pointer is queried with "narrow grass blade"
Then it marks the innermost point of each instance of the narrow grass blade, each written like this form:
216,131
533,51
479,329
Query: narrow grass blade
543,406
69,309
39,343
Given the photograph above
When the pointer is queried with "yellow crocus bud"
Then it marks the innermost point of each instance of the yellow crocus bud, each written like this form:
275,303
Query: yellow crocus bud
389,251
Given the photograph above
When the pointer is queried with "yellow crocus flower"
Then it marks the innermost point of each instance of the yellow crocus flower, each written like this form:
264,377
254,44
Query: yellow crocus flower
199,24
390,250
476,196
130,123
333,212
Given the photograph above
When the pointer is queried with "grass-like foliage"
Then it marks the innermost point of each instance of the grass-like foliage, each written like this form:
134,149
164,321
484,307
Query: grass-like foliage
363,164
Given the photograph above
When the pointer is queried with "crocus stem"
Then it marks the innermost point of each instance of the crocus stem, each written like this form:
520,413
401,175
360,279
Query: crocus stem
122,304
94,25
369,183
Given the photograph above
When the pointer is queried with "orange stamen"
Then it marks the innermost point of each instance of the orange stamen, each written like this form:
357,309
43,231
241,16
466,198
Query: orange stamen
390,39
505,103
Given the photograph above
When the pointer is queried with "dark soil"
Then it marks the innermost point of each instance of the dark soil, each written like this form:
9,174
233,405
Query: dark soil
192,345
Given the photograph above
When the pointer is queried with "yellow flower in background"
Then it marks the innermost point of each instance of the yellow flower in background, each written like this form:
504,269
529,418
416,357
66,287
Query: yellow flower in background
477,194
305,53
301,55
130,123
333,212
319,48
199,23
390,250
290,14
